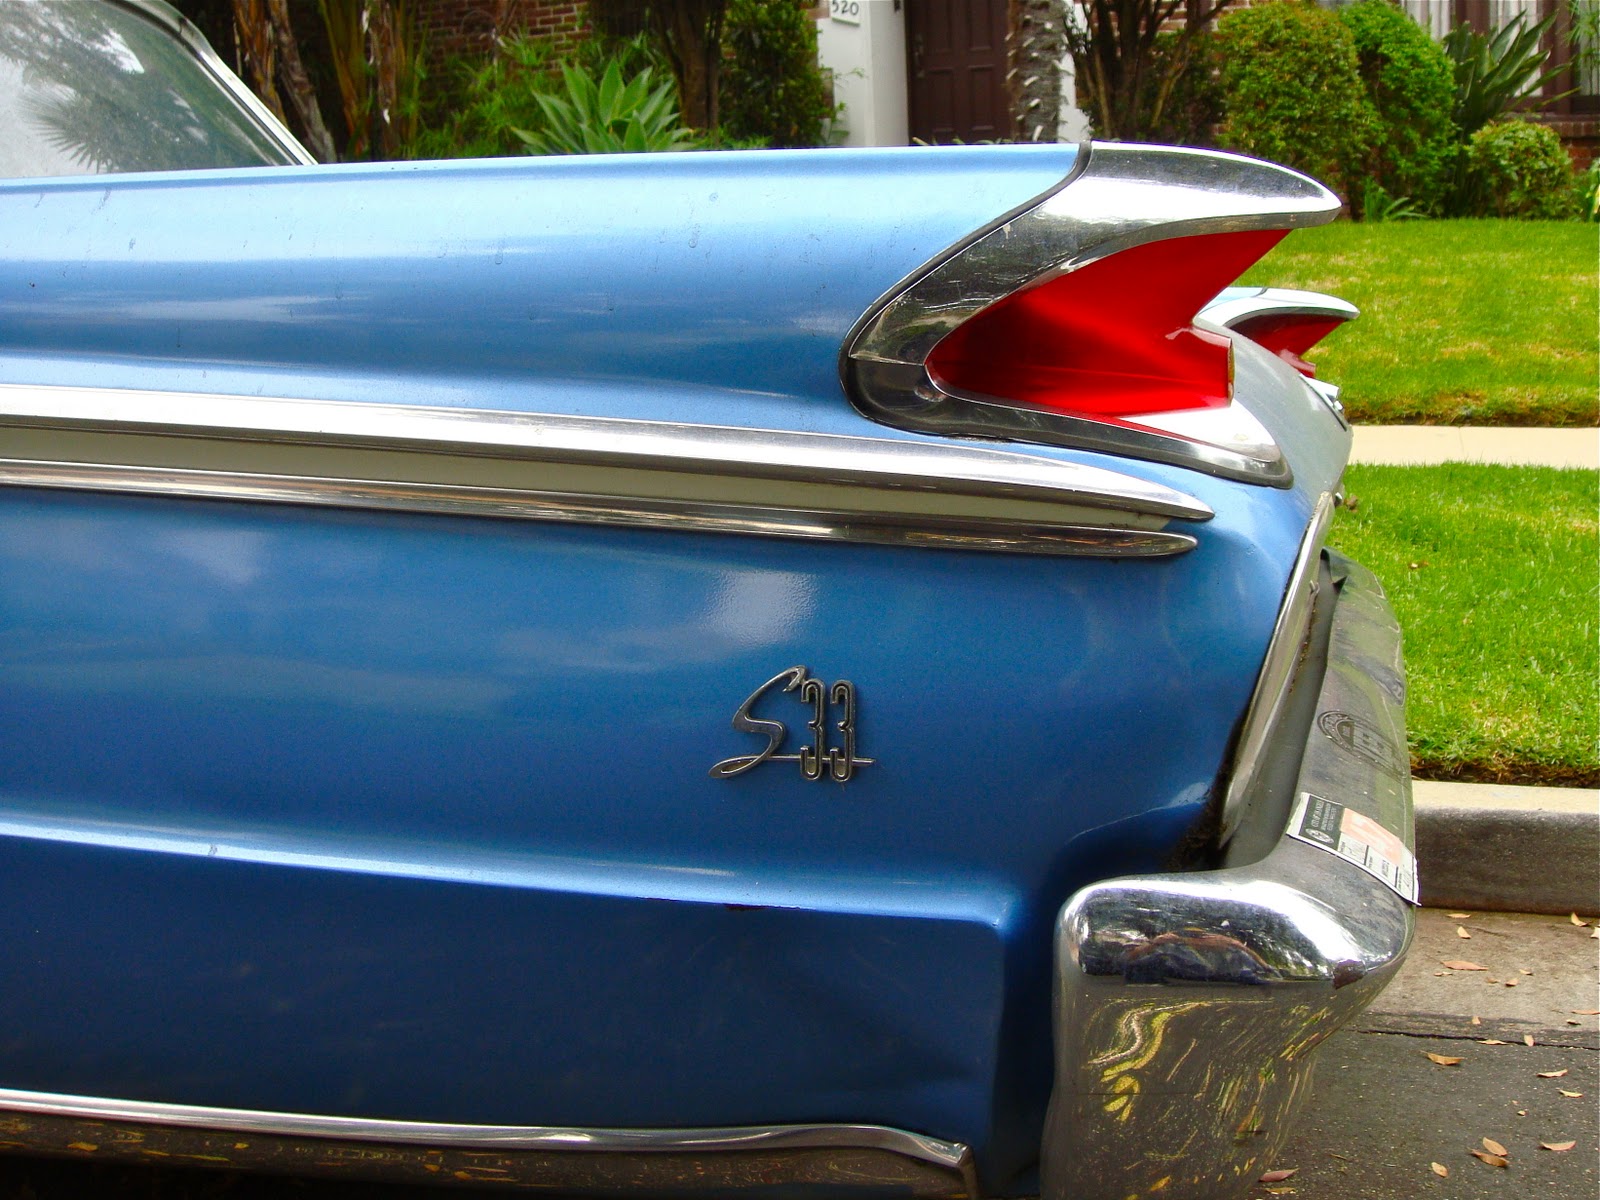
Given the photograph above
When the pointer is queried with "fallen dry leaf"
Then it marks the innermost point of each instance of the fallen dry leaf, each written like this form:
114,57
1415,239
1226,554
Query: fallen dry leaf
1494,1160
1461,964
1585,1012
1527,1039
1444,1060
1492,1042
1570,1095
1511,983
88,1146
1579,921
1552,1074
1494,1147
1558,1147
1491,979
1596,933
1459,916
1476,1021
1525,970
1439,1169
1461,932
1278,1176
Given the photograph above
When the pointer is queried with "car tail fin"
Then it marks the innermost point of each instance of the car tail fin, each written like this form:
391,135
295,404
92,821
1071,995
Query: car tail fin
1288,323
1073,321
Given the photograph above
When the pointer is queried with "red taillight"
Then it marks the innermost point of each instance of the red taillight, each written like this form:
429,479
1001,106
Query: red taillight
1289,335
1112,339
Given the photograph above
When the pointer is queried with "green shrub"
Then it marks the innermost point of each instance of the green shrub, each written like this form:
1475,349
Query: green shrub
1292,90
1376,205
484,101
772,87
1411,85
477,113
1588,191
1495,75
1518,169
608,115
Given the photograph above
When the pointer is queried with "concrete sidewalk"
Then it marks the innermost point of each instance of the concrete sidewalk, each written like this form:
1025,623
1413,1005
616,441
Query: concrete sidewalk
1519,1043
1426,445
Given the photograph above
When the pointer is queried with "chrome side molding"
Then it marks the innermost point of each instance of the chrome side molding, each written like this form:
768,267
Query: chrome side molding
594,470
861,1157
1121,196
1284,653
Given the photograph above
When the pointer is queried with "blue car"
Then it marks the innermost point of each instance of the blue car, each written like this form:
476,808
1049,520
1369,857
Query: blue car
792,673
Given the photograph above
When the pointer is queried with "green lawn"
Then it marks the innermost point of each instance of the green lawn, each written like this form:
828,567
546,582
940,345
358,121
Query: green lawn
1462,322
1494,574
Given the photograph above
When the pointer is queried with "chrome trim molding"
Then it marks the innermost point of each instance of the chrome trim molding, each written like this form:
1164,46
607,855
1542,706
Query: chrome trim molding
1188,1006
1277,669
702,478
1270,302
522,1137
160,13
1123,196
572,1158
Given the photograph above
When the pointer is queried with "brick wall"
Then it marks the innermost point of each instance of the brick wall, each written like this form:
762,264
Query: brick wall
471,27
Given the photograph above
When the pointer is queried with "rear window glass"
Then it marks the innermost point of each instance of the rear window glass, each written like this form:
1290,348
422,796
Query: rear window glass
88,89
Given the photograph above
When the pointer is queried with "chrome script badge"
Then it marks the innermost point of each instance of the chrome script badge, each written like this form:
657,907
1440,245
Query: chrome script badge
817,760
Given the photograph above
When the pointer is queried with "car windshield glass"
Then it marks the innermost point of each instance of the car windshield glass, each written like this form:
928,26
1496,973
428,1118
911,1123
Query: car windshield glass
91,89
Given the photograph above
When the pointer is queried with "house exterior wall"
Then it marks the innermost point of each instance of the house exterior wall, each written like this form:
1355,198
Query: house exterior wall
863,42
470,27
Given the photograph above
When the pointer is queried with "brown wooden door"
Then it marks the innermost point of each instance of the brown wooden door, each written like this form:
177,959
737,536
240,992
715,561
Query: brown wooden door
956,52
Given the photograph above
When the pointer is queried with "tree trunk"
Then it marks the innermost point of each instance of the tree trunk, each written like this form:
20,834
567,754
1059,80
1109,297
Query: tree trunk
252,31
1038,43
1124,81
384,56
691,31
298,84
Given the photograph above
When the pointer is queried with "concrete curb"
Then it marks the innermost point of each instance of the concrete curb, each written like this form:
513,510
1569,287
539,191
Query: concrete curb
1518,849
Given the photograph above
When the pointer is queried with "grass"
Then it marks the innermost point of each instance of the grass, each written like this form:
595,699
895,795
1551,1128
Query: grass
1462,322
1494,574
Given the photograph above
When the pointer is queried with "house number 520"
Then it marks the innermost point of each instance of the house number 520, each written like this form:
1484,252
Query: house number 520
819,759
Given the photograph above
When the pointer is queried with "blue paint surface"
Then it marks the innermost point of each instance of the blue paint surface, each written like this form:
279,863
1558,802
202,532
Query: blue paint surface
410,816
426,281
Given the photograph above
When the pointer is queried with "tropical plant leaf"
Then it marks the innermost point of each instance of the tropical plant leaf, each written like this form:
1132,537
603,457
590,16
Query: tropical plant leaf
1498,72
609,115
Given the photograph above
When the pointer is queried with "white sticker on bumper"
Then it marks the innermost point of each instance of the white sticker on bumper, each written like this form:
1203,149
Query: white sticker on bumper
1357,839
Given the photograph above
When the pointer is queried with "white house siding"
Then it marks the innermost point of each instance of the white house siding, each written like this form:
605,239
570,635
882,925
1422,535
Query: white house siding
863,42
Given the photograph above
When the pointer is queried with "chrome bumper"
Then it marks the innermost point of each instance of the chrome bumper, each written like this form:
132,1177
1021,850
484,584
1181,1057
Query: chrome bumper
1188,1006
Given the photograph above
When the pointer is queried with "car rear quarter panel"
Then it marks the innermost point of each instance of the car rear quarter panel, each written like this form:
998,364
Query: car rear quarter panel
411,816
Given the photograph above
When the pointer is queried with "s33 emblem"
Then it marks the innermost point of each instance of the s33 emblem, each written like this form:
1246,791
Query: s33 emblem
833,711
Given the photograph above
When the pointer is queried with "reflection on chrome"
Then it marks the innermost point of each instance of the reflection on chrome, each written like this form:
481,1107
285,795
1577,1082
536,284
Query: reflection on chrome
1188,1005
